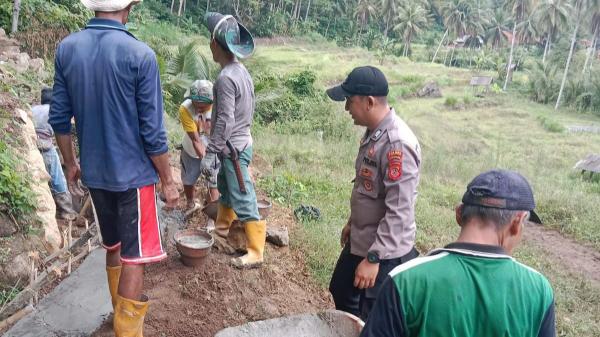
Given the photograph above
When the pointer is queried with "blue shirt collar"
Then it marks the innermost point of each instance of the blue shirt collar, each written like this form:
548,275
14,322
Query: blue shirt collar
98,23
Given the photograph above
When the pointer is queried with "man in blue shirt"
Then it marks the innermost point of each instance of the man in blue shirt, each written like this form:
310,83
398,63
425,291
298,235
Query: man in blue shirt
109,81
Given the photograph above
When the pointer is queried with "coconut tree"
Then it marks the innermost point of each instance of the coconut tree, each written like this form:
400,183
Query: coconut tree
579,9
412,19
518,9
453,13
527,31
363,12
549,16
497,25
389,10
15,18
594,9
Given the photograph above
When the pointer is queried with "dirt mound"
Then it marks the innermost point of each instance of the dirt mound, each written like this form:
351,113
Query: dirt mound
188,302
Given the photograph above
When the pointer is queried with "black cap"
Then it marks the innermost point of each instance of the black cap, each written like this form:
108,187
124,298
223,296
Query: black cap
362,81
501,189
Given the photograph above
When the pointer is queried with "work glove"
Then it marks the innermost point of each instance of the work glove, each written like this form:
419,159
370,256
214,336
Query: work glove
209,164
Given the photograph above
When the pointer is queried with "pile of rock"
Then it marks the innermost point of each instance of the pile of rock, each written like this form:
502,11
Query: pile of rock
10,54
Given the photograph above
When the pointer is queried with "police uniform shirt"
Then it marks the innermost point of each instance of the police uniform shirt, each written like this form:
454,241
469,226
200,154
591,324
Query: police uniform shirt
382,205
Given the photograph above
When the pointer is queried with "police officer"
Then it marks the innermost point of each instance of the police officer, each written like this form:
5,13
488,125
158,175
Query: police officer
380,233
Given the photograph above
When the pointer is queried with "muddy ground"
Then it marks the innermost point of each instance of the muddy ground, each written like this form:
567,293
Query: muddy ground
189,302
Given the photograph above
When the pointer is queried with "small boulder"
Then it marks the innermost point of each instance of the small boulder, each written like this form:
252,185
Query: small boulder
279,236
21,62
430,89
16,270
37,65
7,226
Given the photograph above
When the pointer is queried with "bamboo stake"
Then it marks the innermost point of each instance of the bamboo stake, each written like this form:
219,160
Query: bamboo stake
70,239
16,317
89,242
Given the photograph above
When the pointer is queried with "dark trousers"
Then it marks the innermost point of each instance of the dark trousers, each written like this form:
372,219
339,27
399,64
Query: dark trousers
346,296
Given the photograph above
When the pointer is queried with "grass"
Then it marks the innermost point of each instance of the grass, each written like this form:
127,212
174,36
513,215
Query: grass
496,131
503,130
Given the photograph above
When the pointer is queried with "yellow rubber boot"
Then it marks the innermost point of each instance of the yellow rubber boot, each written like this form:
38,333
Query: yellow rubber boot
113,274
129,317
225,217
256,235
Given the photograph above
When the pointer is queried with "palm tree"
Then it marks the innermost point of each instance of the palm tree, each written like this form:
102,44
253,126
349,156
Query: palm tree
496,28
579,9
527,32
15,18
519,9
363,12
595,28
453,14
412,19
389,9
184,66
550,15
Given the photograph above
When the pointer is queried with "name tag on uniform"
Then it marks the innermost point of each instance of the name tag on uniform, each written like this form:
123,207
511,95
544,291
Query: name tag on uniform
369,162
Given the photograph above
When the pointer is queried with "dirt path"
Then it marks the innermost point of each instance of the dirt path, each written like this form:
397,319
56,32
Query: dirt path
576,257
188,302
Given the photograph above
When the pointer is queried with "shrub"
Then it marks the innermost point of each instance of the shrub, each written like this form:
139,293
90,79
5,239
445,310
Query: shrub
551,125
302,83
283,107
451,102
16,197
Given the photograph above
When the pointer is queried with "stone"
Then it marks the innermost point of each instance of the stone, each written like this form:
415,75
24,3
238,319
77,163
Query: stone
279,236
22,62
17,270
45,206
37,65
7,226
2,32
430,89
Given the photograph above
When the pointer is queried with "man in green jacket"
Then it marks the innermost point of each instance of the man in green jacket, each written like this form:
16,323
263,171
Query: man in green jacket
472,287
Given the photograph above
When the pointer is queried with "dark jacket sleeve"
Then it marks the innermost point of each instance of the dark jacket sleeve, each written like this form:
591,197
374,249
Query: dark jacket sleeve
60,110
548,328
386,318
150,107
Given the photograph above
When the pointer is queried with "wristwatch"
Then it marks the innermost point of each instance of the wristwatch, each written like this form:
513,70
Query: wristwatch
372,257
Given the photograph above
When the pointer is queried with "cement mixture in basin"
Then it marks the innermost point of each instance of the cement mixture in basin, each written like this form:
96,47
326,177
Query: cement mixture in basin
331,323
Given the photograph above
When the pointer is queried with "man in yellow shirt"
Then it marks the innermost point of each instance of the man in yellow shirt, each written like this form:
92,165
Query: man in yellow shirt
195,115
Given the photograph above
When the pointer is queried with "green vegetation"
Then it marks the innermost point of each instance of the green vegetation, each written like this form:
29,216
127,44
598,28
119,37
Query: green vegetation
16,198
311,143
498,130
550,124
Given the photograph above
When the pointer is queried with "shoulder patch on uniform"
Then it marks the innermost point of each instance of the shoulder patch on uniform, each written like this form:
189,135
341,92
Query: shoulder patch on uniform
394,164
415,262
368,184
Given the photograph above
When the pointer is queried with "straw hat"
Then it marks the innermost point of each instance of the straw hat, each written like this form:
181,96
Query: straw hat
108,5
